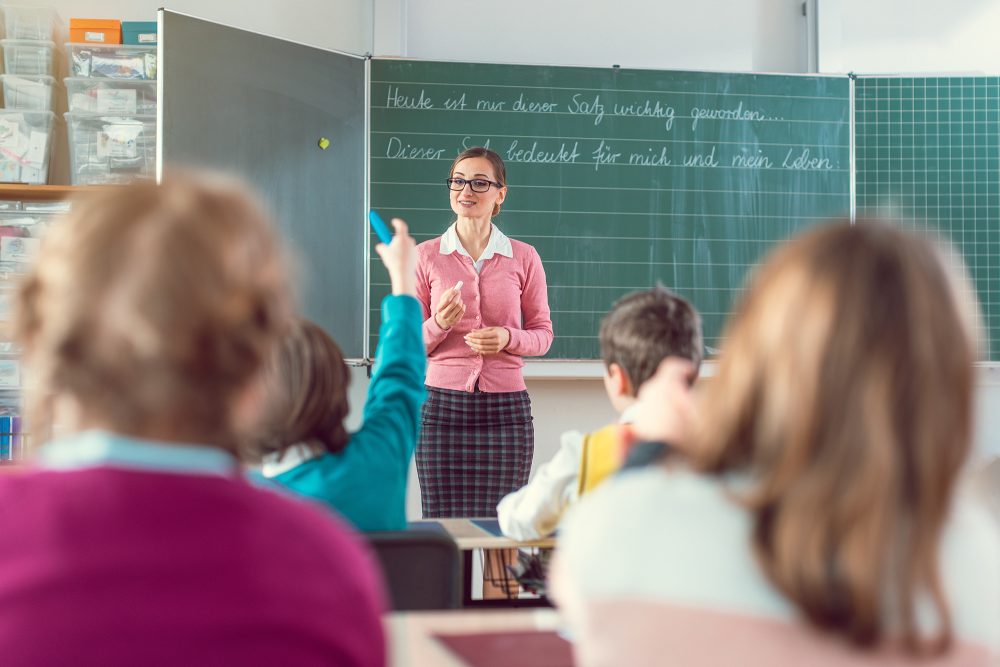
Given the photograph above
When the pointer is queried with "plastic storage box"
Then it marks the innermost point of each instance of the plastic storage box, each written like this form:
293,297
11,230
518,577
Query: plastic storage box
111,96
95,31
111,149
139,32
111,61
27,92
22,56
20,235
25,139
34,23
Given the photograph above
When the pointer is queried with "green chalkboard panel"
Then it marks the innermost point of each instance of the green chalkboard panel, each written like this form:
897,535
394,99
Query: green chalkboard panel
928,151
619,178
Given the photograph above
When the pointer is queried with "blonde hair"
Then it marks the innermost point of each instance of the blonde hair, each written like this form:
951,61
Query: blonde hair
845,388
154,305
305,389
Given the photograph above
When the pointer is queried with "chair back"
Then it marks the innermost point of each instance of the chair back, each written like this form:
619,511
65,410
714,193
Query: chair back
422,568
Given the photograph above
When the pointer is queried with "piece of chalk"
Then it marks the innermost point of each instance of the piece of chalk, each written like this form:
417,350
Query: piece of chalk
457,286
381,229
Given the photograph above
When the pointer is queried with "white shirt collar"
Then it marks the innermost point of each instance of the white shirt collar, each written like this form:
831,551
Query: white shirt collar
274,464
498,244
96,448
628,414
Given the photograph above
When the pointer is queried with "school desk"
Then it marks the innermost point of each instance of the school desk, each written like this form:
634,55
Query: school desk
413,637
473,535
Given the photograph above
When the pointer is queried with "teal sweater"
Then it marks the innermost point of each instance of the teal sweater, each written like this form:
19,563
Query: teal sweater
366,481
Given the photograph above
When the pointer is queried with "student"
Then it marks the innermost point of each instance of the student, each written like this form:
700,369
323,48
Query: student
819,524
641,330
362,475
133,538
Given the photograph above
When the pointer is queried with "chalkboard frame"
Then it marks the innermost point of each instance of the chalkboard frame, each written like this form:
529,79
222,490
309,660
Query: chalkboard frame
838,83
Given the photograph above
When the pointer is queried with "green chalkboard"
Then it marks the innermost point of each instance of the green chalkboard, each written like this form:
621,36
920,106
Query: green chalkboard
619,178
928,150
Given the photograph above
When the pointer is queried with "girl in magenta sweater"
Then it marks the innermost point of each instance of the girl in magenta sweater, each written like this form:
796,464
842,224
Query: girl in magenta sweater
485,307
133,539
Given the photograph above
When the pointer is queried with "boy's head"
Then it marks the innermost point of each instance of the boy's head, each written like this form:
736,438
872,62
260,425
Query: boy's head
641,330
305,394
151,308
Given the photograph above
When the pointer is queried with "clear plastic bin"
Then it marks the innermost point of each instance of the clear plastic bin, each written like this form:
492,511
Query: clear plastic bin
34,23
111,61
20,235
111,149
25,142
21,56
27,92
111,96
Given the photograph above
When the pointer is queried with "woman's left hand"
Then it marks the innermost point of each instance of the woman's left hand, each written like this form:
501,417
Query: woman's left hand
489,340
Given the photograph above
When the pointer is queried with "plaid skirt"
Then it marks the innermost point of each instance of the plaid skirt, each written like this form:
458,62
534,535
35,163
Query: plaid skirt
474,449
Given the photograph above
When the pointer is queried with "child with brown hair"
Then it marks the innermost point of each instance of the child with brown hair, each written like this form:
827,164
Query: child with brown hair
133,537
640,331
308,449
820,523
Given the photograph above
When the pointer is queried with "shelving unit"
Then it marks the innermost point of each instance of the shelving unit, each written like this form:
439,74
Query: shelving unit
21,192
14,440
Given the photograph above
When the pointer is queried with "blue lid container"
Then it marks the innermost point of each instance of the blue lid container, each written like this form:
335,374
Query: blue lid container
139,33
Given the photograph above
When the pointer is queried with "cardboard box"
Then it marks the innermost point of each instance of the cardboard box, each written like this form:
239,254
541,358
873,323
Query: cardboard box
95,31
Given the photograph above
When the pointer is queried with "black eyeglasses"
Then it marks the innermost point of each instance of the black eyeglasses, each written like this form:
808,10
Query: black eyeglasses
477,184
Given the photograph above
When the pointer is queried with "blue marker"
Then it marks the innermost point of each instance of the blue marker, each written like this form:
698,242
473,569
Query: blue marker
381,229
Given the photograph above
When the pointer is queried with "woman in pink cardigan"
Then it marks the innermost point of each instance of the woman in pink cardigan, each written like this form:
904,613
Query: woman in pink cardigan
485,307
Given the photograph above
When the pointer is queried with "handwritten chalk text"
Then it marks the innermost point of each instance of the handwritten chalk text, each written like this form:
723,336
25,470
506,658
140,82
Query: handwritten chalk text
534,154
702,159
594,107
532,106
453,104
739,113
604,155
647,109
802,161
650,158
490,105
756,161
397,150
397,100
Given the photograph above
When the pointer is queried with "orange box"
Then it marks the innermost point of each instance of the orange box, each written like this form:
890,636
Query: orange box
95,31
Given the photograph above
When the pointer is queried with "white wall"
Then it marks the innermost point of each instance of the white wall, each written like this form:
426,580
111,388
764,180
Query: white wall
890,36
751,35
630,33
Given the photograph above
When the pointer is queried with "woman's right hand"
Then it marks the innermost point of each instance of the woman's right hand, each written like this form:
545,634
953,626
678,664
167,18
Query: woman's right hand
450,308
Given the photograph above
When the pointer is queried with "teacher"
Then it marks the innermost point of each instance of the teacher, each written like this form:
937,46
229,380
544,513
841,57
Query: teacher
485,307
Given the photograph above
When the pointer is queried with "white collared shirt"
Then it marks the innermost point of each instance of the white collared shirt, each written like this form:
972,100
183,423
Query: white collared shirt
533,511
498,244
276,463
